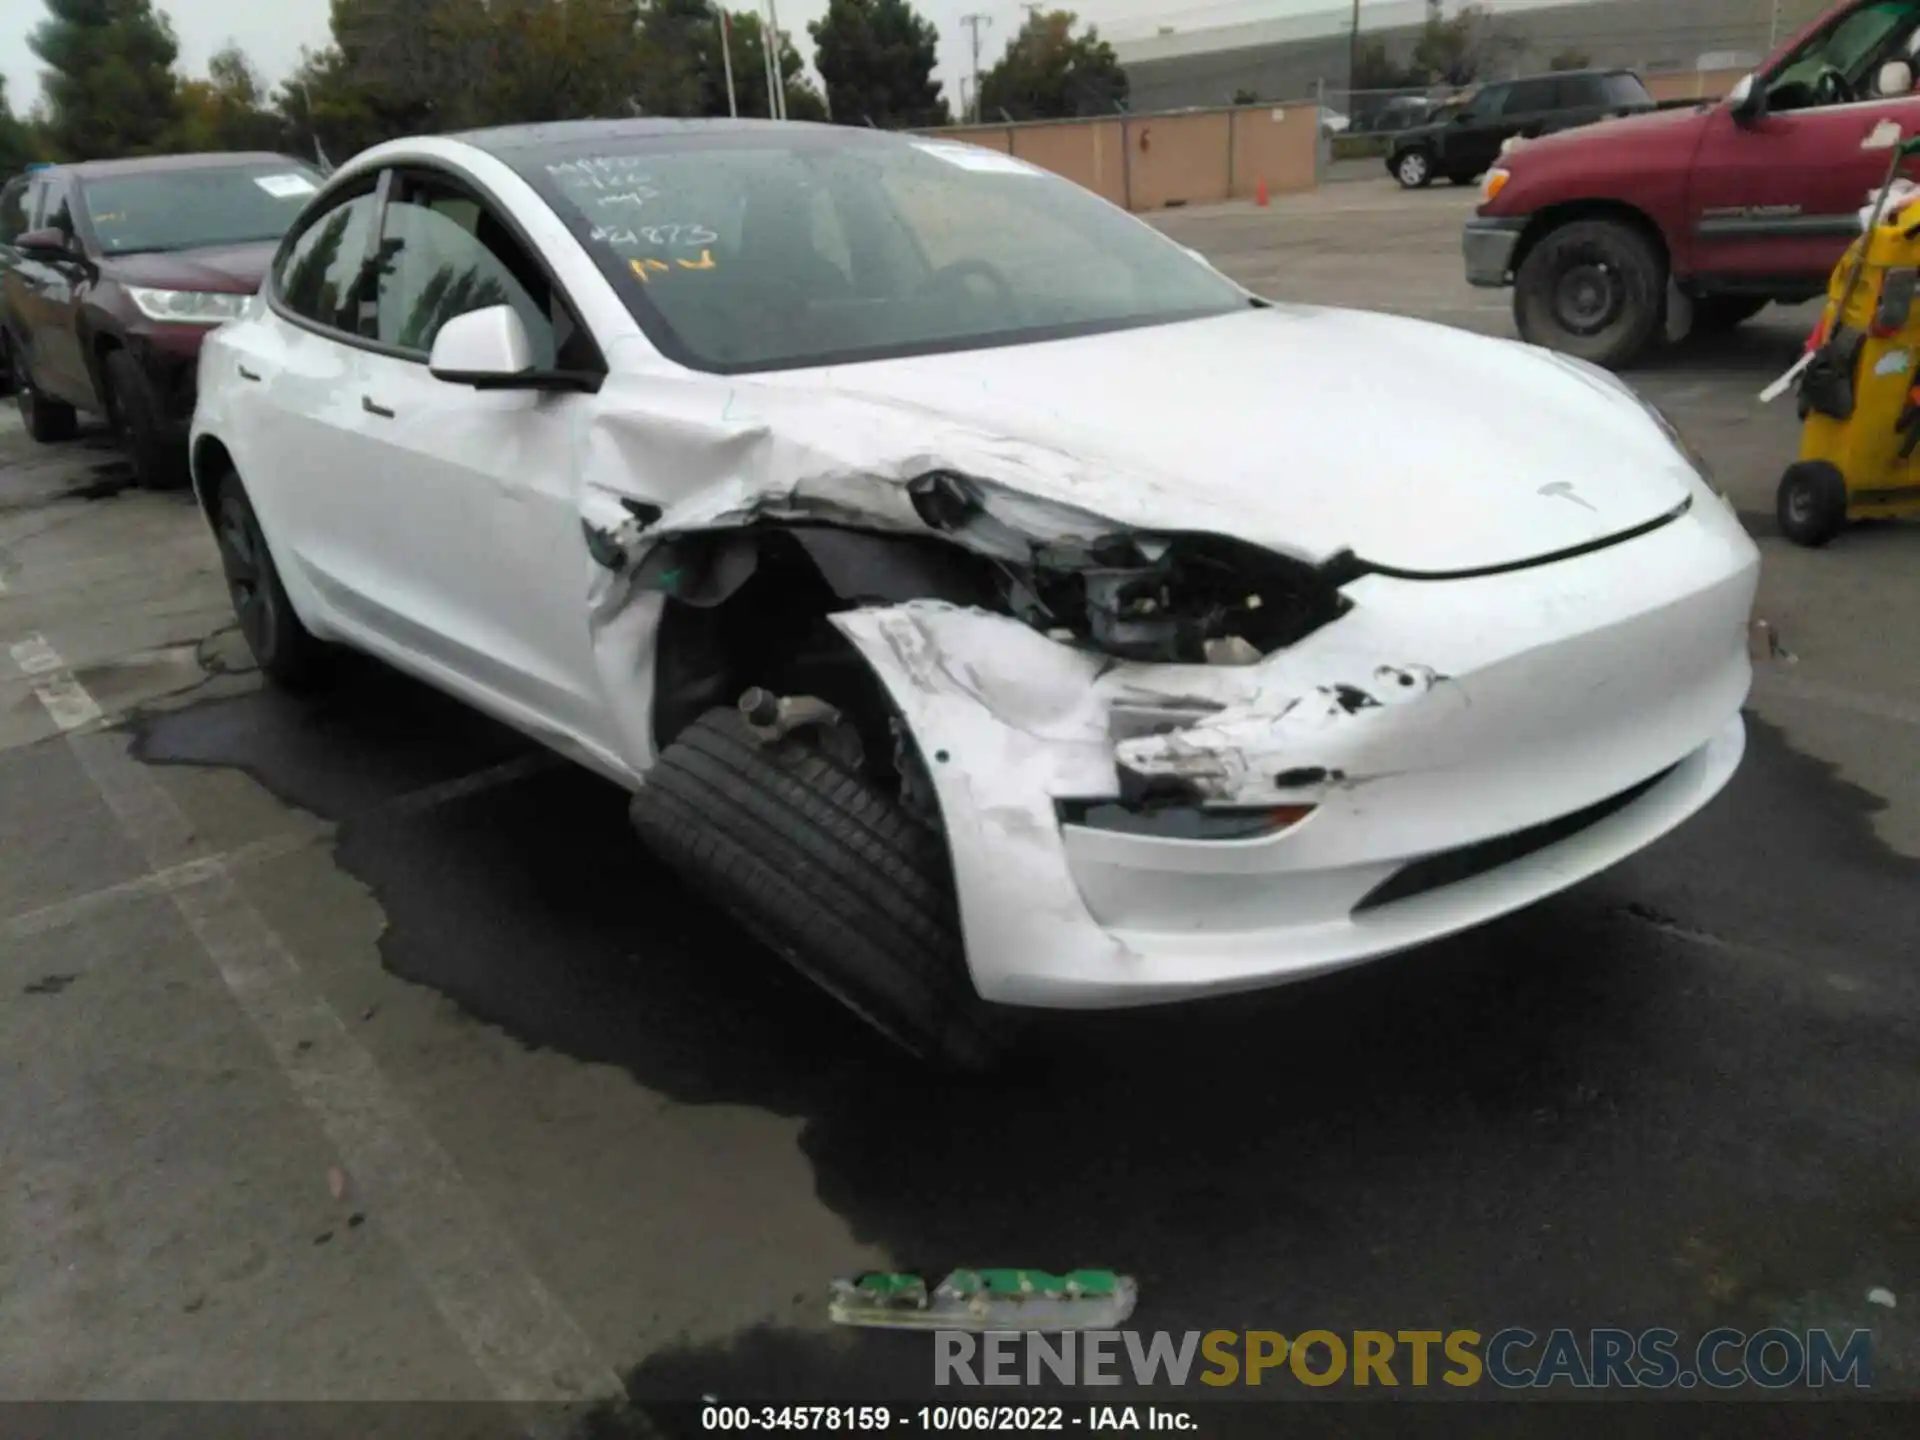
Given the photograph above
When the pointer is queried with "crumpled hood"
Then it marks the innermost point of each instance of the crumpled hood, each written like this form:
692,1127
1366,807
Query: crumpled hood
1309,431
231,269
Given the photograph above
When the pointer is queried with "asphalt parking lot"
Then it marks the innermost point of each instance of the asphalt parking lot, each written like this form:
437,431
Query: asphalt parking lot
350,1049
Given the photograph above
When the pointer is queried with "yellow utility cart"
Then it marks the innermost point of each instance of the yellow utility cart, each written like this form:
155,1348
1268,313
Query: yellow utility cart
1860,390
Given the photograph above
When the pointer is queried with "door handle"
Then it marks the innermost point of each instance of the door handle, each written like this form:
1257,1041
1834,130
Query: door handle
245,373
366,404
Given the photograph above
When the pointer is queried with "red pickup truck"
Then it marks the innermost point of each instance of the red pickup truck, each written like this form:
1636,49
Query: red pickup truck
1619,234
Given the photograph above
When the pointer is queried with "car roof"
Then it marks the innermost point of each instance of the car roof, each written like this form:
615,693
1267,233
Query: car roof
506,141
152,164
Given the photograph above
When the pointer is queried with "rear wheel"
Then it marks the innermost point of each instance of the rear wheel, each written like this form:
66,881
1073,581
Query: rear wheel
1717,314
1414,170
286,652
1811,505
1595,289
47,420
159,460
830,871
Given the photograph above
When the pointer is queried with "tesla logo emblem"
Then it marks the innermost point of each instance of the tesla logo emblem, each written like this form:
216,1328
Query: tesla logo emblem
1564,491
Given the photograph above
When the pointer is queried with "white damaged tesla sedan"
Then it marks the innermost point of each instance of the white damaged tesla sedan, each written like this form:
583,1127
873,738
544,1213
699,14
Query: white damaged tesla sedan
984,599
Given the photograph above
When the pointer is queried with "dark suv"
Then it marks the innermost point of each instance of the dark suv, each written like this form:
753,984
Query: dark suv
1463,142
112,272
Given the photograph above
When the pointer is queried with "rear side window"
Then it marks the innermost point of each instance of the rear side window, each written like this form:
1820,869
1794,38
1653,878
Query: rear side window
324,271
1626,90
445,255
13,211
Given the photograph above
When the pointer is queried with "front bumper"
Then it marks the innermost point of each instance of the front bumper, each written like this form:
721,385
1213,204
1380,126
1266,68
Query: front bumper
1488,245
1532,728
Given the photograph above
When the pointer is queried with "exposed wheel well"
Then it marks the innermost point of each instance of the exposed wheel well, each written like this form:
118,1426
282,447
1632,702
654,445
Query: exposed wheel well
753,608
210,464
1555,216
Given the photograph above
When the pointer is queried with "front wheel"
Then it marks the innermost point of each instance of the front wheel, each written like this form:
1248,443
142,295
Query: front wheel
159,460
1811,505
1595,289
1414,170
828,870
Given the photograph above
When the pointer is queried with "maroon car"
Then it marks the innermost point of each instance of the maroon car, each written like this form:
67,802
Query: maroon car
112,272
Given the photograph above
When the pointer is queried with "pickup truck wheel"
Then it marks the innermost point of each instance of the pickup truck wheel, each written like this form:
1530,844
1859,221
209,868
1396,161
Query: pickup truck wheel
830,872
1414,170
285,650
159,462
1595,289
1717,314
1811,505
47,420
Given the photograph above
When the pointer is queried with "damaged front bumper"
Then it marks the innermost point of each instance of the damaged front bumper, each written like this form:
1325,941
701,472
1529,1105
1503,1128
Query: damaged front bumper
1445,753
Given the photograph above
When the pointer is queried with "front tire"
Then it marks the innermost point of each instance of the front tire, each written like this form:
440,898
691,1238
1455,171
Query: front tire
1595,289
1414,170
47,420
1811,504
286,652
830,872
159,462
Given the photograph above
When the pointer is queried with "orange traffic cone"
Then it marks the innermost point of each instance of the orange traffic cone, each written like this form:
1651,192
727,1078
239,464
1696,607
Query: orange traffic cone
1260,193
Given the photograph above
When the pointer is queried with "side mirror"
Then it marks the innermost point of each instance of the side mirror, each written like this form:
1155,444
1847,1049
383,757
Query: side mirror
1895,78
490,350
1747,99
481,345
48,241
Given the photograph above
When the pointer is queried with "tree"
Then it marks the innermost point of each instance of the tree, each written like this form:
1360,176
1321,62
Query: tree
1375,69
19,145
1048,72
225,111
682,71
1571,58
109,85
1463,49
877,58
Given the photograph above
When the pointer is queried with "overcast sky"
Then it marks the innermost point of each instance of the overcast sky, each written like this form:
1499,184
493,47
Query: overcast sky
272,31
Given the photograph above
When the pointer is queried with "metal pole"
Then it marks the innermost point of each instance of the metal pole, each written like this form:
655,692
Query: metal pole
1773,32
773,58
726,57
766,66
973,23
1353,58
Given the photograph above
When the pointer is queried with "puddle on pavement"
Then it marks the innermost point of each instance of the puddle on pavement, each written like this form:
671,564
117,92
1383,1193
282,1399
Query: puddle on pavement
1525,1124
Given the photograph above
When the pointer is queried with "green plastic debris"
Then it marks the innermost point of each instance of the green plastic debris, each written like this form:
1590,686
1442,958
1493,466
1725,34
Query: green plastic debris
989,1299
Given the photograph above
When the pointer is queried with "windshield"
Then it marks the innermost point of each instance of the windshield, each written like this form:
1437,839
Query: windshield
756,251
188,209
1626,90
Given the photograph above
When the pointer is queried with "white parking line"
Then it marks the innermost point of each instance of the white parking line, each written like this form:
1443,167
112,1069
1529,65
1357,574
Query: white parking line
528,1347
64,699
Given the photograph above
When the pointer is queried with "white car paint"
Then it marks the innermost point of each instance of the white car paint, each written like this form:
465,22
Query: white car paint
447,539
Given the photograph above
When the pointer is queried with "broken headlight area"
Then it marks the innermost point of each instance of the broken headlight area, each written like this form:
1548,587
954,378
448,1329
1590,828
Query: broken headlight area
1174,599
1173,816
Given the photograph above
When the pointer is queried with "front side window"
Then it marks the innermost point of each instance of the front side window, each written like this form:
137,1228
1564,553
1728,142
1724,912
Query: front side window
324,273
444,254
1532,97
744,252
197,207
1488,104
1836,65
